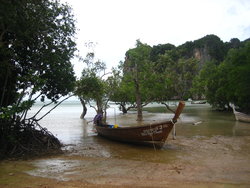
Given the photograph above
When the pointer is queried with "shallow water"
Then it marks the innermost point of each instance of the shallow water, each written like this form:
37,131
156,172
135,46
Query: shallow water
79,137
211,147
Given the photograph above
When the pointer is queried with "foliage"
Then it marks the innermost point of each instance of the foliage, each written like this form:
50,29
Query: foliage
163,89
164,72
207,83
36,46
216,48
160,50
91,87
228,81
138,72
234,43
238,63
154,74
210,44
121,92
175,75
185,71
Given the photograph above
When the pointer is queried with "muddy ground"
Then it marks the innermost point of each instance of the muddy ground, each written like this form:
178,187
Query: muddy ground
217,161
214,153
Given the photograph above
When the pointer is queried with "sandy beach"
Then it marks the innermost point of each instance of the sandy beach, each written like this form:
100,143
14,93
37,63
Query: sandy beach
214,153
213,162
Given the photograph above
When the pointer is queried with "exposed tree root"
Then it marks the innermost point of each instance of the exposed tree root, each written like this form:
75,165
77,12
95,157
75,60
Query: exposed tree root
25,139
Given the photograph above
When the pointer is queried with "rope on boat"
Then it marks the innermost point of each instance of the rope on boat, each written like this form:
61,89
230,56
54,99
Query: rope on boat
152,138
174,131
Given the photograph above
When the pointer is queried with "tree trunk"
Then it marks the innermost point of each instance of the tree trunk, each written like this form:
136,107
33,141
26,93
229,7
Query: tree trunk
99,107
138,103
123,108
84,109
100,110
5,83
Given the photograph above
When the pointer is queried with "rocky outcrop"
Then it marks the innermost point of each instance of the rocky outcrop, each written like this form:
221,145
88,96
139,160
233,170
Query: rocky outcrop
202,54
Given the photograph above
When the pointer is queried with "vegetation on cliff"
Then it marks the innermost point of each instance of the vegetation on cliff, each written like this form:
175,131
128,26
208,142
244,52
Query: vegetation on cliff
37,44
197,70
227,81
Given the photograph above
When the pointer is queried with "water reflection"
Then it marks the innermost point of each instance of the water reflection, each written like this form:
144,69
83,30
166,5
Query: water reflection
212,123
81,139
214,150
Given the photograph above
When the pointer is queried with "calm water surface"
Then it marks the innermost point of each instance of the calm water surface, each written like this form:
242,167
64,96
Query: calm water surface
80,138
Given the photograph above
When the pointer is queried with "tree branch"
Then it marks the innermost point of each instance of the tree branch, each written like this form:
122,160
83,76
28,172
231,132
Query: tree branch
37,97
53,108
105,74
33,117
167,106
92,106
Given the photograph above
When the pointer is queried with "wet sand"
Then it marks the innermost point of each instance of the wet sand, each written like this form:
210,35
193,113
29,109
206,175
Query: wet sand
219,158
206,162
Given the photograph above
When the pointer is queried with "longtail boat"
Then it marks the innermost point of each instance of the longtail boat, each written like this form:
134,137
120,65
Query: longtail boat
153,133
198,102
239,116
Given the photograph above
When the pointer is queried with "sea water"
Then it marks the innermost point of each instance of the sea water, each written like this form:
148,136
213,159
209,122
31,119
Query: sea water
79,136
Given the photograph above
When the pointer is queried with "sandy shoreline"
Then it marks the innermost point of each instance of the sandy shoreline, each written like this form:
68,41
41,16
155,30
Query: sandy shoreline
215,153
216,161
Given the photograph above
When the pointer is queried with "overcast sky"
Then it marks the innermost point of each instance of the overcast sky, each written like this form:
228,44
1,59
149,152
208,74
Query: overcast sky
115,25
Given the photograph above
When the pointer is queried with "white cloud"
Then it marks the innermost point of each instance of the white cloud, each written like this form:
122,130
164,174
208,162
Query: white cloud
116,24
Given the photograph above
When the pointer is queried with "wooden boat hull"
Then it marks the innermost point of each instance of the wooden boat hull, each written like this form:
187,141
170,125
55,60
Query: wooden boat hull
242,117
156,133
239,116
198,102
